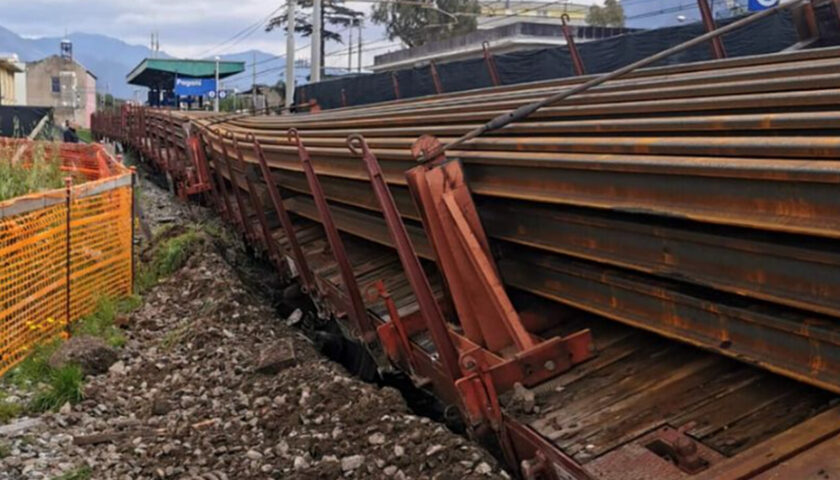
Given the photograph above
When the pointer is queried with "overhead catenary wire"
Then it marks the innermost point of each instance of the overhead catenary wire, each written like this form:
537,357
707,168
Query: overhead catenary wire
242,34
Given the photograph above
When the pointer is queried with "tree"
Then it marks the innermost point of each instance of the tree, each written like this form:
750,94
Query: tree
333,13
610,15
419,22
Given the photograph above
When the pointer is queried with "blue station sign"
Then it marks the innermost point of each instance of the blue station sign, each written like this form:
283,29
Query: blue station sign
756,5
194,86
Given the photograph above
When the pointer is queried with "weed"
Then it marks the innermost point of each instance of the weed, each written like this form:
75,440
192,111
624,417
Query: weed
35,368
5,450
100,323
41,173
8,411
83,473
174,337
66,384
168,257
175,253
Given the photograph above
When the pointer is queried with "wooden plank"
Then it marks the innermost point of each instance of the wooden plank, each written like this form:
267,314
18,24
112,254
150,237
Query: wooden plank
726,410
789,410
779,448
635,417
603,427
640,371
820,462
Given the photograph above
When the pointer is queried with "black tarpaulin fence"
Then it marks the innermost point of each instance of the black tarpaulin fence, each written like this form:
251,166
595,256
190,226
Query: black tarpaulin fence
771,34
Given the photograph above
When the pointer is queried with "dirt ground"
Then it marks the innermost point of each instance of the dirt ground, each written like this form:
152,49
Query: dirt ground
185,399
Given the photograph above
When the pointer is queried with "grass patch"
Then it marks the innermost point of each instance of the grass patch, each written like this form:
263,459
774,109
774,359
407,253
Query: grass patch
55,387
35,368
100,323
16,180
8,411
83,473
5,450
66,384
167,257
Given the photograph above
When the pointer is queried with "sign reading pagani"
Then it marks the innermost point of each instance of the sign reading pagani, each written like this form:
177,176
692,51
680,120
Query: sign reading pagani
185,86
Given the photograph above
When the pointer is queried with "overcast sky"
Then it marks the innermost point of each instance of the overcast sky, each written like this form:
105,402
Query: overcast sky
187,28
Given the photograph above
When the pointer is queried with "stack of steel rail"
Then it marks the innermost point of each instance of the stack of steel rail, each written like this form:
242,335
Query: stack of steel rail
699,202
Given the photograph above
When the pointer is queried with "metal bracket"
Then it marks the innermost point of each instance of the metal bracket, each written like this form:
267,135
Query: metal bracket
709,23
396,340
436,76
491,64
577,62
490,322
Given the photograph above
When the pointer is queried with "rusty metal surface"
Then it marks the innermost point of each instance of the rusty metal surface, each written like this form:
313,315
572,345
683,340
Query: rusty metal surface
695,201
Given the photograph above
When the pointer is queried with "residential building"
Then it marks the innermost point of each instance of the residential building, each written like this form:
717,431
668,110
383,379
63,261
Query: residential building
510,37
505,12
59,81
9,69
648,14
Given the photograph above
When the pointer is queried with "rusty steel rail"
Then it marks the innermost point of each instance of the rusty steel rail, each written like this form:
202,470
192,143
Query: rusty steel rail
756,332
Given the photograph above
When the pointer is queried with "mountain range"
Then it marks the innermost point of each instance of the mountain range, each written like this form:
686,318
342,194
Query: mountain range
111,59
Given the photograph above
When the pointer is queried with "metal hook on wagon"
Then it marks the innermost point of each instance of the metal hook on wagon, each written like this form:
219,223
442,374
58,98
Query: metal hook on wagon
357,144
565,18
294,137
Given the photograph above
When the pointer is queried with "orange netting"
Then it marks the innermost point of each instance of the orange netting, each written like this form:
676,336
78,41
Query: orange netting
42,244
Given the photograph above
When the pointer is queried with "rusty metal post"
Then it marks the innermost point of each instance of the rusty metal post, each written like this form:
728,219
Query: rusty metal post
396,83
709,23
436,76
359,312
268,241
491,64
225,208
237,193
577,62
343,98
429,308
280,209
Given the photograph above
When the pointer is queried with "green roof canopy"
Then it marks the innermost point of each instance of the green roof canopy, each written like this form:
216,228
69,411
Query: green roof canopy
161,72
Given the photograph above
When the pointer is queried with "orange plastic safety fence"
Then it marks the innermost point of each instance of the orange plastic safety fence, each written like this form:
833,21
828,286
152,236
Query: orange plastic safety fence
42,243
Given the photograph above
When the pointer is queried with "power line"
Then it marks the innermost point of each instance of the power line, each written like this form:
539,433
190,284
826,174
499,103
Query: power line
244,33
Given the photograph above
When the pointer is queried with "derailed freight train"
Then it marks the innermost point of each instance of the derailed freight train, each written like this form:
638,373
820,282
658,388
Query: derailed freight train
642,281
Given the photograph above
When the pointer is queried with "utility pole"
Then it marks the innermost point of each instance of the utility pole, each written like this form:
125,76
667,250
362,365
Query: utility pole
290,53
254,83
315,64
216,97
350,50
360,47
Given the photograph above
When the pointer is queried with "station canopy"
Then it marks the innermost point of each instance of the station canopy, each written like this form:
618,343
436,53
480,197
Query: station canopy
160,73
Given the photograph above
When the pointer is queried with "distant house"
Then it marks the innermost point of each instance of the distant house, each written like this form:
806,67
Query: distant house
9,69
666,13
61,82
508,37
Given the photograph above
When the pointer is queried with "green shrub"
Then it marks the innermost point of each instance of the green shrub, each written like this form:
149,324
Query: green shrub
66,384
